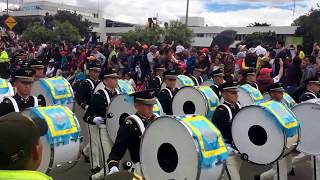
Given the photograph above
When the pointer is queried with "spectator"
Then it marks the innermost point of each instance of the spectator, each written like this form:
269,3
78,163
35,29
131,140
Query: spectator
293,76
100,57
153,56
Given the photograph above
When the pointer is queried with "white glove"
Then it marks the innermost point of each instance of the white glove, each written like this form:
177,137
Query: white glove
98,121
114,169
232,151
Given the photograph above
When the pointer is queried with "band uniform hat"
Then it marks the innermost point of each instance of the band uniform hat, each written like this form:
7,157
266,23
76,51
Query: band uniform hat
109,73
229,86
160,67
217,72
94,65
250,71
36,64
198,68
276,87
170,74
313,80
146,97
19,136
24,75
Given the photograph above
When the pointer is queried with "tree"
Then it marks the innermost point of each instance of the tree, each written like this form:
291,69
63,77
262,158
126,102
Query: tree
308,28
178,32
268,39
22,22
66,32
257,24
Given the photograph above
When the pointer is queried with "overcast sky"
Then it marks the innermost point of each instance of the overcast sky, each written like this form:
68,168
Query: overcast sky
216,12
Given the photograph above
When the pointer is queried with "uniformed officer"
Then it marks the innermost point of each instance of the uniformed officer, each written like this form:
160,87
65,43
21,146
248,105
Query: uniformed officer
23,80
218,79
38,66
250,77
222,118
196,76
84,94
166,95
95,116
156,81
312,89
129,133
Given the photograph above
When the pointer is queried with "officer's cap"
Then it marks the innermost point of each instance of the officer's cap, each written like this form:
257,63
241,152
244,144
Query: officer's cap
37,64
229,86
109,73
160,67
94,66
217,72
170,74
146,97
276,87
25,75
250,71
198,68
313,80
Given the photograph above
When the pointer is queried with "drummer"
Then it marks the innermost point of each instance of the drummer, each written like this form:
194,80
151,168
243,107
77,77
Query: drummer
218,78
23,80
38,66
156,81
83,97
222,118
312,89
129,133
166,95
196,75
250,77
95,115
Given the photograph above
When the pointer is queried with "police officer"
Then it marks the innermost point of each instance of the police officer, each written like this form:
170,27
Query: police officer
38,66
156,81
196,76
312,89
218,79
129,133
222,118
166,95
95,116
21,147
23,80
84,95
250,77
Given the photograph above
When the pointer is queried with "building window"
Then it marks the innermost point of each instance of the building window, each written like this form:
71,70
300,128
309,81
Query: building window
200,35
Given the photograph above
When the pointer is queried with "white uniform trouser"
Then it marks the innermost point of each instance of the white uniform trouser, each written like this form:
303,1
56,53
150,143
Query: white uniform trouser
284,168
86,150
93,131
233,164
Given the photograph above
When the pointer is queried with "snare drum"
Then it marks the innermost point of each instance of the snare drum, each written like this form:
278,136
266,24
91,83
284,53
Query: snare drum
249,95
182,81
61,145
308,114
53,91
265,133
195,100
6,89
287,99
191,148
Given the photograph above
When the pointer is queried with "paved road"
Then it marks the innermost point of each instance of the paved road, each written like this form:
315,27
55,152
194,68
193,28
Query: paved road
81,170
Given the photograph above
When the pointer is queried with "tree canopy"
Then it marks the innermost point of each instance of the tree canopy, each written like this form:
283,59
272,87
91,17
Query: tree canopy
268,39
257,24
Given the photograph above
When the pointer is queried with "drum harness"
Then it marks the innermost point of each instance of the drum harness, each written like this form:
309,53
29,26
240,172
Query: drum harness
159,78
15,104
312,94
170,93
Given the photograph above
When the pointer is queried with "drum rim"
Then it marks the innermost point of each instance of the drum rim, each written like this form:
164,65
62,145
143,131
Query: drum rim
173,118
284,145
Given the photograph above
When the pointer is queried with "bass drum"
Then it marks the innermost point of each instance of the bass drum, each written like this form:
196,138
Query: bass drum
195,100
183,151
61,145
120,107
269,129
123,87
308,114
287,99
182,81
208,82
249,95
53,91
6,89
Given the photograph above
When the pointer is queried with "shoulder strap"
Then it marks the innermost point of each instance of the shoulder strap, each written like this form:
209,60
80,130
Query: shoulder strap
139,122
170,93
118,92
159,79
91,83
196,80
106,94
309,93
14,104
36,103
201,80
229,111
239,105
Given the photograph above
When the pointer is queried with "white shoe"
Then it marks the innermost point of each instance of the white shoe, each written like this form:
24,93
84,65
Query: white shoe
99,175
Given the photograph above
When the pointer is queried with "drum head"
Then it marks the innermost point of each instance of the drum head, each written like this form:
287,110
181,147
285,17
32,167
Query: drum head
170,155
208,82
189,100
117,111
308,115
256,134
244,98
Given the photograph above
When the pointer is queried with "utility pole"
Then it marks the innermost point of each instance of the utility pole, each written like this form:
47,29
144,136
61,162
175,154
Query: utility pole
187,13
7,7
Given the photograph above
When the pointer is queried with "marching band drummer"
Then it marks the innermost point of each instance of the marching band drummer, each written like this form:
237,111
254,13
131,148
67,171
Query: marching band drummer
156,81
23,80
166,95
250,77
218,78
222,118
129,133
38,66
95,115
83,97
196,75
312,89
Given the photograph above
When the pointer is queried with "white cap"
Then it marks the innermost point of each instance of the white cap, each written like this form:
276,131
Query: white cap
260,50
179,49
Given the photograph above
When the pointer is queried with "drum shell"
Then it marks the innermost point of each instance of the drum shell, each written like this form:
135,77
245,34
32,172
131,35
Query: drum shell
173,133
123,87
182,81
246,98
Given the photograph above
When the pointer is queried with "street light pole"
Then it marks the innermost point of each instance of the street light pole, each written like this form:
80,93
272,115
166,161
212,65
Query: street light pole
187,13
7,7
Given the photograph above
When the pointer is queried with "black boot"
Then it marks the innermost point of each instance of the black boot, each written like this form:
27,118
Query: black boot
86,158
95,170
257,177
292,172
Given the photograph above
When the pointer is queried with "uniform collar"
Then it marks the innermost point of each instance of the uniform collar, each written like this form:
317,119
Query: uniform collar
109,90
22,98
311,92
230,104
145,118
